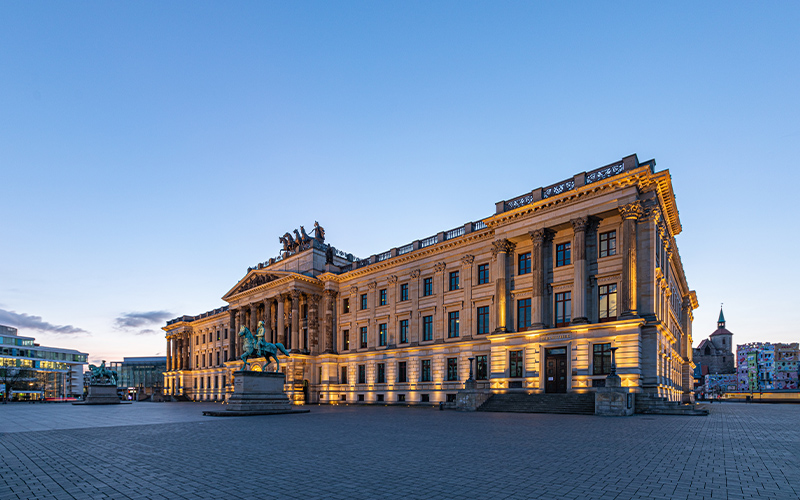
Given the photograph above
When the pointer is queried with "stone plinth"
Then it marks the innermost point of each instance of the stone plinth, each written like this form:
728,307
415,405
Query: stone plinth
102,395
613,400
257,393
470,398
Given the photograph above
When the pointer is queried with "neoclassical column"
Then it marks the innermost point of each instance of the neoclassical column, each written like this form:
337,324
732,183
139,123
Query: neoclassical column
268,321
392,341
630,215
313,322
540,239
467,311
579,226
330,301
232,334
280,320
440,318
169,357
242,322
413,293
253,307
500,250
295,320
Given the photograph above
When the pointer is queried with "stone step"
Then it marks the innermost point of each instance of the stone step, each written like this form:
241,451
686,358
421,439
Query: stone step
582,404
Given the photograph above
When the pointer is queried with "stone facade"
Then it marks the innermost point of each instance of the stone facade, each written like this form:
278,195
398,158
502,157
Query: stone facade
537,294
715,354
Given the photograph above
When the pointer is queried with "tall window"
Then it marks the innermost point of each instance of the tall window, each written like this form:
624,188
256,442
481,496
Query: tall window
403,331
481,367
363,337
454,280
427,287
363,301
382,297
452,324
563,308
402,372
381,374
515,363
343,379
563,254
523,314
382,334
345,305
226,333
345,340
608,243
524,263
427,328
452,369
483,274
425,370
483,320
608,302
403,292
362,374
601,359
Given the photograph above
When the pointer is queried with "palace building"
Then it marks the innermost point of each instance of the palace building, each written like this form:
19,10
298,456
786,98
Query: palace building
529,299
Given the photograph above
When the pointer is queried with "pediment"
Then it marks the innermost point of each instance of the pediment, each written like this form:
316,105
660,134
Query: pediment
255,278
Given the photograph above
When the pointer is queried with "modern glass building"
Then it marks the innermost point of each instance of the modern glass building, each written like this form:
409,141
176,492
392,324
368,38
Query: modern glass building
29,371
140,377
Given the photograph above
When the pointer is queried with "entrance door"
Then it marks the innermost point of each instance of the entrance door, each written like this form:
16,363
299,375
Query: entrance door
555,374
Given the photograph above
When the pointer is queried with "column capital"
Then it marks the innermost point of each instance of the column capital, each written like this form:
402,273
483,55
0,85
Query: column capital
582,224
632,210
354,290
295,294
502,246
372,285
414,274
330,293
313,298
439,267
541,235
467,260
392,279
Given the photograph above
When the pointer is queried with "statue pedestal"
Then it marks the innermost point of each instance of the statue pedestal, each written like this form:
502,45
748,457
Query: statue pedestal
613,400
102,395
257,393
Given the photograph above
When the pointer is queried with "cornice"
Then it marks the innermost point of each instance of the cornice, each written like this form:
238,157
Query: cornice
438,248
288,278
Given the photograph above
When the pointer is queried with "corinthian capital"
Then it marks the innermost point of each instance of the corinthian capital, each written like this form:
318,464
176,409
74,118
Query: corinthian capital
372,285
392,279
467,260
439,267
415,274
354,290
631,210
330,293
580,224
541,235
502,246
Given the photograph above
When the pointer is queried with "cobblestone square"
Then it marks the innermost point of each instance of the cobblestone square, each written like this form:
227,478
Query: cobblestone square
169,451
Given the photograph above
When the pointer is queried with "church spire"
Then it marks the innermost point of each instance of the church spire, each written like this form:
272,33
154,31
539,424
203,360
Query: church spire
721,320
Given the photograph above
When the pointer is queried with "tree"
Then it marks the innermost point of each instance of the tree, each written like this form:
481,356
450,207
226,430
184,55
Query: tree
12,377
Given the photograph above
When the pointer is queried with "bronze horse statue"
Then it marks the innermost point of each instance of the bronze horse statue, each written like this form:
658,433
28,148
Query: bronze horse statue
259,348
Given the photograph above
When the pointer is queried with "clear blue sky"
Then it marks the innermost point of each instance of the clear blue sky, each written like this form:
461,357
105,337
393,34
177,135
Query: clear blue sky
151,152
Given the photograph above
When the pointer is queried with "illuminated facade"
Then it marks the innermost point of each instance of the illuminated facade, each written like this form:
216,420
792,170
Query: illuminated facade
535,294
48,372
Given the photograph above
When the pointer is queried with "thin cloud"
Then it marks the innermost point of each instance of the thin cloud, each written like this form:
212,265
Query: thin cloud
28,321
139,319
146,331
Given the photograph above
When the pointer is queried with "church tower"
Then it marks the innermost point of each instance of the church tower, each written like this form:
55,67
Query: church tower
722,338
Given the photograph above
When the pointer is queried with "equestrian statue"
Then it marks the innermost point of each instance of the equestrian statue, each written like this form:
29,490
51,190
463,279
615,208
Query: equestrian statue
102,375
257,347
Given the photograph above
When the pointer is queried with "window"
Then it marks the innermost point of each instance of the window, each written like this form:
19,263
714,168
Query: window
345,340
403,331
345,306
608,243
363,301
403,292
483,320
361,397
425,370
362,374
380,397
515,363
217,358
452,369
524,263
427,287
425,398
454,280
427,328
401,398
601,359
483,274
562,254
382,334
382,297
217,334
563,308
402,375
343,379
481,367
608,302
381,373
363,337
452,324
523,314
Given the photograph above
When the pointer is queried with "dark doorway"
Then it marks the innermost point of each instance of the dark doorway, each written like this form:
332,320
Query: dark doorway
555,373
305,392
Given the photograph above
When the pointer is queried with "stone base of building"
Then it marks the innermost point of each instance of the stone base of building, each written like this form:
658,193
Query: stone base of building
257,393
102,395
470,398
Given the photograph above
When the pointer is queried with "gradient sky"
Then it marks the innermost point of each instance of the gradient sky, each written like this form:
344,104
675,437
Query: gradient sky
150,152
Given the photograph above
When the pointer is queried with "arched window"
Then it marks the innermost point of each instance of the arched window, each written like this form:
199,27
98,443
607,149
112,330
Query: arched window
708,351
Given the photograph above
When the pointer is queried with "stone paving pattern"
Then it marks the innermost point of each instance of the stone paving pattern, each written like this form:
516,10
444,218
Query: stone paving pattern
150,451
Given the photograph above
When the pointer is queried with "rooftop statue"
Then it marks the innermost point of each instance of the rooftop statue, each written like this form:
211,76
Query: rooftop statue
102,375
319,232
259,348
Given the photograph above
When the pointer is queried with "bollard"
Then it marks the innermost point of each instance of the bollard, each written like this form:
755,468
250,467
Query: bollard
441,406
